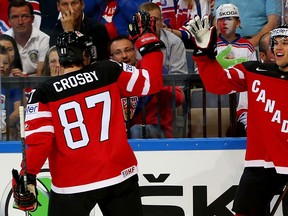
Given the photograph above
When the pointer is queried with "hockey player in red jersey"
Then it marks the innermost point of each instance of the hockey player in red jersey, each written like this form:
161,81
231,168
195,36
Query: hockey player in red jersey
266,161
76,121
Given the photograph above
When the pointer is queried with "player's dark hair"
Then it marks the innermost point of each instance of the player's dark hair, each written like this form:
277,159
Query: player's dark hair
118,38
280,31
3,50
71,46
79,1
20,3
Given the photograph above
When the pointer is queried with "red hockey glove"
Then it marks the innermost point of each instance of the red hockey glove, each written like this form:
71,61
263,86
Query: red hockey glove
24,199
142,32
148,43
204,37
141,24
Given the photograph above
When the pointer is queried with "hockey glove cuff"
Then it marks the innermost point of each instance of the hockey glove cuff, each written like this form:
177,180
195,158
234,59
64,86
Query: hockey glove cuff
148,43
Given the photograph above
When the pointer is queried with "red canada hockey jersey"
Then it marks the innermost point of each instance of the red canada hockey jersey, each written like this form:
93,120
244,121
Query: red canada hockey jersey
267,131
76,121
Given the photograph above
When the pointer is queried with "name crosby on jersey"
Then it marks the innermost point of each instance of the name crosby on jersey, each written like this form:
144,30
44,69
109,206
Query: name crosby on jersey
269,106
74,81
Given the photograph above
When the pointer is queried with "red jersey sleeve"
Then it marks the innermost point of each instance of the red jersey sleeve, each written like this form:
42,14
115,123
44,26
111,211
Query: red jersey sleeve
218,80
39,133
144,81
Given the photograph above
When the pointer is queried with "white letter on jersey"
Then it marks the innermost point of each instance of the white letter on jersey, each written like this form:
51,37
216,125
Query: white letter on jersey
256,83
276,117
284,128
270,104
261,97
56,88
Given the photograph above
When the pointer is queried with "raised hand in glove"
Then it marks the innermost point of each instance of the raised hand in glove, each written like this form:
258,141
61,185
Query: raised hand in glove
204,36
141,23
24,198
142,31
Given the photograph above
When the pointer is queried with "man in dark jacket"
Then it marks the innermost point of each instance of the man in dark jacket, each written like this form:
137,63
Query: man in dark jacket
73,19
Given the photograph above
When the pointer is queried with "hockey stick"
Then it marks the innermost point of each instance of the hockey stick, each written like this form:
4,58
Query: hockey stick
280,198
22,135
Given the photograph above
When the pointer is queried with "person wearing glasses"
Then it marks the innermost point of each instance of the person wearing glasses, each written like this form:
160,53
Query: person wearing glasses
122,49
32,43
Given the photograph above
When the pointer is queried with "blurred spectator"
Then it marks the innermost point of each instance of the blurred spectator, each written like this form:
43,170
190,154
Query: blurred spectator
73,18
257,17
4,22
10,44
51,66
177,13
49,14
37,13
175,61
265,53
285,12
31,42
10,101
115,14
122,50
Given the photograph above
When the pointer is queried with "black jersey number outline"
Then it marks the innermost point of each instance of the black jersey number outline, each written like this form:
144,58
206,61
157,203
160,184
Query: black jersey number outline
91,102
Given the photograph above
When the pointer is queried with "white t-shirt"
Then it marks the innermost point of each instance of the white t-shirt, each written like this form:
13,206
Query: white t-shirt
34,50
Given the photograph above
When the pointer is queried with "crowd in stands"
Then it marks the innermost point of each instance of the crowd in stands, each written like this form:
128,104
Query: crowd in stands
29,30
